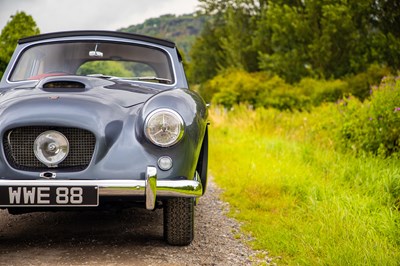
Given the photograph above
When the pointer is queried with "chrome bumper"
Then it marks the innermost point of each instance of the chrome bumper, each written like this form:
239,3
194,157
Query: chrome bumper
149,188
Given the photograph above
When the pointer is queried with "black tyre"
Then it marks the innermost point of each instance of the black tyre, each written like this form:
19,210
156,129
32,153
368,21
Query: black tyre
179,221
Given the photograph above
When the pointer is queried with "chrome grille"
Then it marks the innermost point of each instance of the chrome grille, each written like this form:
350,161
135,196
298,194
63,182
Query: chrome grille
18,147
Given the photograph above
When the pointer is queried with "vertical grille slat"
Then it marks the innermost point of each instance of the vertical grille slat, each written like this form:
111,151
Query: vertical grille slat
18,147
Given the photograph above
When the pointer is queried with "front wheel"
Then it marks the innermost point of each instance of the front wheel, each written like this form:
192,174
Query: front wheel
179,221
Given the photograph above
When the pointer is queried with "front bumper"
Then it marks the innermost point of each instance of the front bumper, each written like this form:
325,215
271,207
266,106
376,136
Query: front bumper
149,188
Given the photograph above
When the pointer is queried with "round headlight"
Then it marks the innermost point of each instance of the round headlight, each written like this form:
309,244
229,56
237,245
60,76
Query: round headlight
51,148
164,127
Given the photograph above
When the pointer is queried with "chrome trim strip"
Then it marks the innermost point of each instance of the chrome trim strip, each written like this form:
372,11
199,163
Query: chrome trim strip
151,183
173,188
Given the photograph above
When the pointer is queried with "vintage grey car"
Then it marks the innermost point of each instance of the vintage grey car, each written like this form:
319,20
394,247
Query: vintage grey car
100,119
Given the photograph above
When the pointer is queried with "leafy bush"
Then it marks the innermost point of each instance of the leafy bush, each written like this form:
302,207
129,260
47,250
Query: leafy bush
320,91
373,126
237,86
262,89
360,85
286,97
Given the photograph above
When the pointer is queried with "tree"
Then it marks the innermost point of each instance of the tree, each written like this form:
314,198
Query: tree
325,39
226,39
386,17
207,56
296,38
237,39
21,25
282,39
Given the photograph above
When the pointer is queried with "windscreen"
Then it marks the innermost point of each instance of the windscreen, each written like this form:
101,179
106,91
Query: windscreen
129,61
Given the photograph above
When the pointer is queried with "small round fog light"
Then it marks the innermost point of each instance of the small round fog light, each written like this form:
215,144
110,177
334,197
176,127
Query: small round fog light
165,163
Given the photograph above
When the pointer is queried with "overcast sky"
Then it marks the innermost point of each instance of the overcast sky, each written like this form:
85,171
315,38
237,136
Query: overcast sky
61,15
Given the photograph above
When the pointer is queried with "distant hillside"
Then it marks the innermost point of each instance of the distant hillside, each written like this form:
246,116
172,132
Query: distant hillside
183,29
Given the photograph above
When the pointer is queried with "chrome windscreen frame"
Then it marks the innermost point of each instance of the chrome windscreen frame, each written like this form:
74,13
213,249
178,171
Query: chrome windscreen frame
91,38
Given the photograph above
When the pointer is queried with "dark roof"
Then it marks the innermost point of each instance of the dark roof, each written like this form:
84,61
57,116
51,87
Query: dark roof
97,33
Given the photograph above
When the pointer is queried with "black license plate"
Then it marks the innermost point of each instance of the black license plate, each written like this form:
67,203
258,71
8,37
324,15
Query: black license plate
59,196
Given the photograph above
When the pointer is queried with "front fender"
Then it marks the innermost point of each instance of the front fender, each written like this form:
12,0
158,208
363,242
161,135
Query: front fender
194,113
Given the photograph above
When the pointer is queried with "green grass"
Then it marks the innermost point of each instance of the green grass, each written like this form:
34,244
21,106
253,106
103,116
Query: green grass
300,199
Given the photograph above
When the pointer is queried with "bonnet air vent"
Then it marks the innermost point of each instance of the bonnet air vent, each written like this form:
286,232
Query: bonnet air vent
64,85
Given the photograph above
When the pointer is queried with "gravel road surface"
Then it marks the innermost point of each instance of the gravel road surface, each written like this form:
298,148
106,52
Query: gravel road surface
130,237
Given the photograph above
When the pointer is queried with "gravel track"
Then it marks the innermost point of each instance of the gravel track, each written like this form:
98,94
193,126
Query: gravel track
129,237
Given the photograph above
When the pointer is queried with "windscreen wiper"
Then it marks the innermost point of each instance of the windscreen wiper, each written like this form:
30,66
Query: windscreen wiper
159,80
101,76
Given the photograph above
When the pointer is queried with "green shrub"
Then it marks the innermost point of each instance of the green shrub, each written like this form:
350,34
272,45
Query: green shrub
238,86
320,91
258,89
360,85
261,89
373,126
286,97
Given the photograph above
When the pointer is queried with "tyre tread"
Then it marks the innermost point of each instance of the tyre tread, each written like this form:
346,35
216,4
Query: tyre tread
179,221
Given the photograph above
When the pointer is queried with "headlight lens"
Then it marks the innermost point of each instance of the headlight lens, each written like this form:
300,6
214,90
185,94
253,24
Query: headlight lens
164,127
51,148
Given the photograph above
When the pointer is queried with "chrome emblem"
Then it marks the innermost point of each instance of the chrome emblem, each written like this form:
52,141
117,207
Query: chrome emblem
48,175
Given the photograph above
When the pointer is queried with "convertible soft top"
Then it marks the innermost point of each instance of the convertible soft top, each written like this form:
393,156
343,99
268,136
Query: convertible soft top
126,35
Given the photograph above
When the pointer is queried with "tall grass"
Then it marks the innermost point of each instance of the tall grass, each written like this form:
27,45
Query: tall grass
301,200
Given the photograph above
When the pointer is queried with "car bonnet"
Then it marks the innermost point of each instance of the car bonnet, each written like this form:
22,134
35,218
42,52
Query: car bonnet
124,94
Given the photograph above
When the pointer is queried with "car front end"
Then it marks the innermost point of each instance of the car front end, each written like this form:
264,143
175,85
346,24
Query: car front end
75,137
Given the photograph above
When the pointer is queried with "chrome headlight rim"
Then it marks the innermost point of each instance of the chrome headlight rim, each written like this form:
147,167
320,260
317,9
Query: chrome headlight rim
179,121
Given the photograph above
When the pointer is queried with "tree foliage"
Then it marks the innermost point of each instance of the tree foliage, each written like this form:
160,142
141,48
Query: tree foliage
296,39
21,25
204,66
